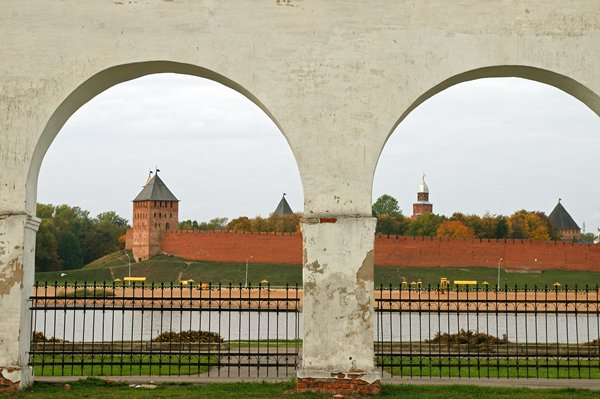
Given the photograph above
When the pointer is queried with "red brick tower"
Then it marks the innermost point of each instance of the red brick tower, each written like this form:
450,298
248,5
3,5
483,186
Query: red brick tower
422,205
155,211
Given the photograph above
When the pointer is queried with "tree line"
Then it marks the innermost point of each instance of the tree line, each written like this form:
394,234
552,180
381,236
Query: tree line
284,224
532,225
69,238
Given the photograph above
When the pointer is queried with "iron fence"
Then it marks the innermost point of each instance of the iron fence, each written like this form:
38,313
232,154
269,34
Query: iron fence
98,329
234,331
481,333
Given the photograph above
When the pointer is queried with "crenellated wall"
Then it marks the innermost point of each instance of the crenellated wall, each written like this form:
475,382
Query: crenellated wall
389,251
234,246
517,254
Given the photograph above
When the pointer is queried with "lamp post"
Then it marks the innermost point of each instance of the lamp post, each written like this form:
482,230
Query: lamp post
128,265
246,283
499,261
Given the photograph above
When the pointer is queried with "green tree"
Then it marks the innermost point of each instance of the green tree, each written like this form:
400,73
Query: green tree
587,237
103,239
69,238
501,230
386,205
46,248
45,211
397,225
114,219
425,225
185,225
69,249
218,223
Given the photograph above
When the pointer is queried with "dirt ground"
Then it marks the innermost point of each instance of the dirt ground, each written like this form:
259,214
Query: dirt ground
290,299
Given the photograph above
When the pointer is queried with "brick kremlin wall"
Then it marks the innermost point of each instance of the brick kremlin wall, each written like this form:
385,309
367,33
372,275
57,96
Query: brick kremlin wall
389,251
515,254
234,247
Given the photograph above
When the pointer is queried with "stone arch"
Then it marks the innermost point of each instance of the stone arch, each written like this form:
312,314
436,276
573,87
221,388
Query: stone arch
561,82
108,78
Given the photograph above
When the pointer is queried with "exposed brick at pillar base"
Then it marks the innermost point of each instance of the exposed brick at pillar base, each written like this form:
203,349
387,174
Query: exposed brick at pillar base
340,383
389,251
6,385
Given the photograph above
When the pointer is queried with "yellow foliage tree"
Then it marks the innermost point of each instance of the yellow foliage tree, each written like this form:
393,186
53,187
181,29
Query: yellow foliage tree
454,228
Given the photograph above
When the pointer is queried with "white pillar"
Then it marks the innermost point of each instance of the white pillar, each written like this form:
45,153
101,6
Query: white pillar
17,258
338,310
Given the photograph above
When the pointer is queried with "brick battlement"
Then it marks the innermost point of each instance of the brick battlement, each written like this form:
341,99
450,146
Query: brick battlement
380,236
264,233
231,246
407,251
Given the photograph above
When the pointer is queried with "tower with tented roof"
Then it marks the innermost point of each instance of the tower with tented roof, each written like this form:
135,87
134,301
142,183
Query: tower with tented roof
283,208
564,223
155,211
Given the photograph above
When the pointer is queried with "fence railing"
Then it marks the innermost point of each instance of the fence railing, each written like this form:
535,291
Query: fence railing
234,331
481,333
98,329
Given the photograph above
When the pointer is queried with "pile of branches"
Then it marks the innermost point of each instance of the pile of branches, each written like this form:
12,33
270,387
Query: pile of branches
468,337
189,336
39,336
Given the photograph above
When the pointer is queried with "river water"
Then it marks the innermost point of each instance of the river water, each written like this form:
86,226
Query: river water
135,325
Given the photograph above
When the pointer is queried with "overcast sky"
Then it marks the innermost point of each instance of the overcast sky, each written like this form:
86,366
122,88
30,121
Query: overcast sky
496,145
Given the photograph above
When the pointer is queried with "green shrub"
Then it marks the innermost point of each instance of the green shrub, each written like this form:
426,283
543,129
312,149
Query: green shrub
189,336
39,336
468,337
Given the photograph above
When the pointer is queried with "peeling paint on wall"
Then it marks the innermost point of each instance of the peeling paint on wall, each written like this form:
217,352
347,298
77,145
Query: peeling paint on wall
11,274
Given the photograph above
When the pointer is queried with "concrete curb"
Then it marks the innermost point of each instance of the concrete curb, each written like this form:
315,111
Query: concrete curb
487,382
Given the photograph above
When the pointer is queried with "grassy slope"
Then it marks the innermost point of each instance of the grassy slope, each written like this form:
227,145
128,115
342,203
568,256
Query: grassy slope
101,390
167,269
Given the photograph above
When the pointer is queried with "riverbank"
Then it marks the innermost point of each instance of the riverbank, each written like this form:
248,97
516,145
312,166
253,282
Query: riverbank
289,299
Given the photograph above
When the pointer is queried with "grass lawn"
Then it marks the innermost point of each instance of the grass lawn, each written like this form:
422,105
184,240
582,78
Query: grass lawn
491,368
113,365
101,390
166,269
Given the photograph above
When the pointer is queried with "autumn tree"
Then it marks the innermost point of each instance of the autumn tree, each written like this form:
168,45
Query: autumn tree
243,223
261,224
454,228
425,225
285,224
529,225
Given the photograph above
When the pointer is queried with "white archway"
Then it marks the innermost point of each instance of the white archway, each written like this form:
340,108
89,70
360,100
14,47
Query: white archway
106,79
